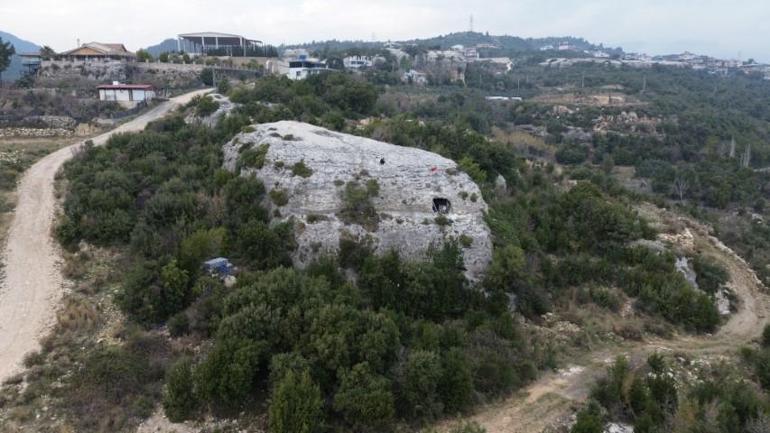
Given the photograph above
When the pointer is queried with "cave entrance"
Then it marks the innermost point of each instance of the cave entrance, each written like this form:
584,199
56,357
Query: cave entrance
442,205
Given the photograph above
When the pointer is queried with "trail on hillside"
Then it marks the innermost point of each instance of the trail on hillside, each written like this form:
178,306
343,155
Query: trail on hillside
32,285
550,400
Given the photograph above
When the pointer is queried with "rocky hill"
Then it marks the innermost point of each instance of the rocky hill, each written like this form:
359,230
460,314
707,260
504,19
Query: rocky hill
341,187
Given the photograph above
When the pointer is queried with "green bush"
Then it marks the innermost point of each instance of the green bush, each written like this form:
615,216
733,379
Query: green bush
301,169
357,207
254,158
589,420
179,324
280,197
180,399
456,386
205,106
418,382
710,275
766,336
295,405
228,374
364,399
206,76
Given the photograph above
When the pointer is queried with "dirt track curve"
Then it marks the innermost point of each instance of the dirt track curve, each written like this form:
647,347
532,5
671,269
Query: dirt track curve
33,285
549,401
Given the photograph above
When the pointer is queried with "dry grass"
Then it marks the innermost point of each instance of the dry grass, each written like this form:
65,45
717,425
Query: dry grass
16,155
598,98
77,315
527,144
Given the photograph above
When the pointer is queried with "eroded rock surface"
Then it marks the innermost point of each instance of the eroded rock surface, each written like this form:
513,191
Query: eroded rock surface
422,199
225,107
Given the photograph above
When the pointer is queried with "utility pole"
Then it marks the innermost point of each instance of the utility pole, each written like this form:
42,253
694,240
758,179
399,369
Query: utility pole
732,147
583,81
471,24
644,85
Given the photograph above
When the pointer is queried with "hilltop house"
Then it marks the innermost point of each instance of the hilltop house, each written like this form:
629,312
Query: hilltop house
358,62
97,51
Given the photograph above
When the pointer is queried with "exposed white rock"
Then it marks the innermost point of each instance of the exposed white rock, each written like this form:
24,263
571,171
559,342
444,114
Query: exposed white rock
225,107
684,266
722,300
411,182
618,428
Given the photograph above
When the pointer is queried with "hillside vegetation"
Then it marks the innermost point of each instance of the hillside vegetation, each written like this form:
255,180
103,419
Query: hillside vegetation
365,342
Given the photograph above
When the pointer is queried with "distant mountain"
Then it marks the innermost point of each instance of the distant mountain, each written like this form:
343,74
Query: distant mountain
166,46
14,71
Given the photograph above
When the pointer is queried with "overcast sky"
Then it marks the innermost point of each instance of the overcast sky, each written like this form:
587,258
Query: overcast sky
724,28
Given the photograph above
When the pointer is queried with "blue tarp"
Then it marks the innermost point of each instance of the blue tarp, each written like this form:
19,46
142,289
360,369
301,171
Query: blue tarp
219,265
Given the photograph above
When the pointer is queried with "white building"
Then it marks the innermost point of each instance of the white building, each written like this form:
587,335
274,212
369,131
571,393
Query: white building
304,67
415,77
127,95
358,62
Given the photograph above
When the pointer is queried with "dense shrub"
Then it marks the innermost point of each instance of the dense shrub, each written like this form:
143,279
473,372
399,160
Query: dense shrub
180,399
295,405
364,398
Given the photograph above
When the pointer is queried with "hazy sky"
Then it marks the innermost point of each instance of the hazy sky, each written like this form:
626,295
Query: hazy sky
722,28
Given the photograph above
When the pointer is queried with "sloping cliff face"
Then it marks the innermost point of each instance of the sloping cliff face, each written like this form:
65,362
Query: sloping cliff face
338,186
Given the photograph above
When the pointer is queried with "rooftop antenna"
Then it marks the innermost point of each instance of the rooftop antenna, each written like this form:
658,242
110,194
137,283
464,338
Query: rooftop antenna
471,24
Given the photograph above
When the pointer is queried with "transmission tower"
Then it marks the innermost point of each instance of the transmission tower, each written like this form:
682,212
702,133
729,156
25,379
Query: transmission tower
471,24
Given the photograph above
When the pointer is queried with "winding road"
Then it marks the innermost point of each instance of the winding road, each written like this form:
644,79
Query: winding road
32,285
550,400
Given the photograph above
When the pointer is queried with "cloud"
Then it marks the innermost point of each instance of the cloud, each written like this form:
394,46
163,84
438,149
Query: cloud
714,27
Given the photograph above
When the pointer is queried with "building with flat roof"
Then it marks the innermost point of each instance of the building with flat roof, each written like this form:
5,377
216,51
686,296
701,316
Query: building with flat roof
217,43
127,95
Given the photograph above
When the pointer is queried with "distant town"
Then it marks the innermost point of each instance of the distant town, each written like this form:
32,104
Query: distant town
417,64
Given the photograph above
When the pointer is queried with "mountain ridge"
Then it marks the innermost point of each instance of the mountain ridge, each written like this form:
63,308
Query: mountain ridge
15,70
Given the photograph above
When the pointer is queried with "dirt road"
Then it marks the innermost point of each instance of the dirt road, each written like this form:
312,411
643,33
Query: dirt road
552,398
32,284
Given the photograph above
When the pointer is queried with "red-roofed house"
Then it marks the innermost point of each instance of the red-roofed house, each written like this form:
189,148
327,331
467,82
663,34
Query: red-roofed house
127,95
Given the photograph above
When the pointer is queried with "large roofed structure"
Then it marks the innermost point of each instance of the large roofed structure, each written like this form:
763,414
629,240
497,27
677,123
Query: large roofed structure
205,42
98,50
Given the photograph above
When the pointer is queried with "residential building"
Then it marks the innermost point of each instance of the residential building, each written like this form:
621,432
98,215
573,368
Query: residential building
127,95
97,51
358,62
415,77
303,67
471,54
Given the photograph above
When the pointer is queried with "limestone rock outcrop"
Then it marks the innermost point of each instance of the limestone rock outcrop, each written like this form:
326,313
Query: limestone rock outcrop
418,199
225,107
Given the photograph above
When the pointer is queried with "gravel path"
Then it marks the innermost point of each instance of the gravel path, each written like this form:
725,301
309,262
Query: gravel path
33,285
550,400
